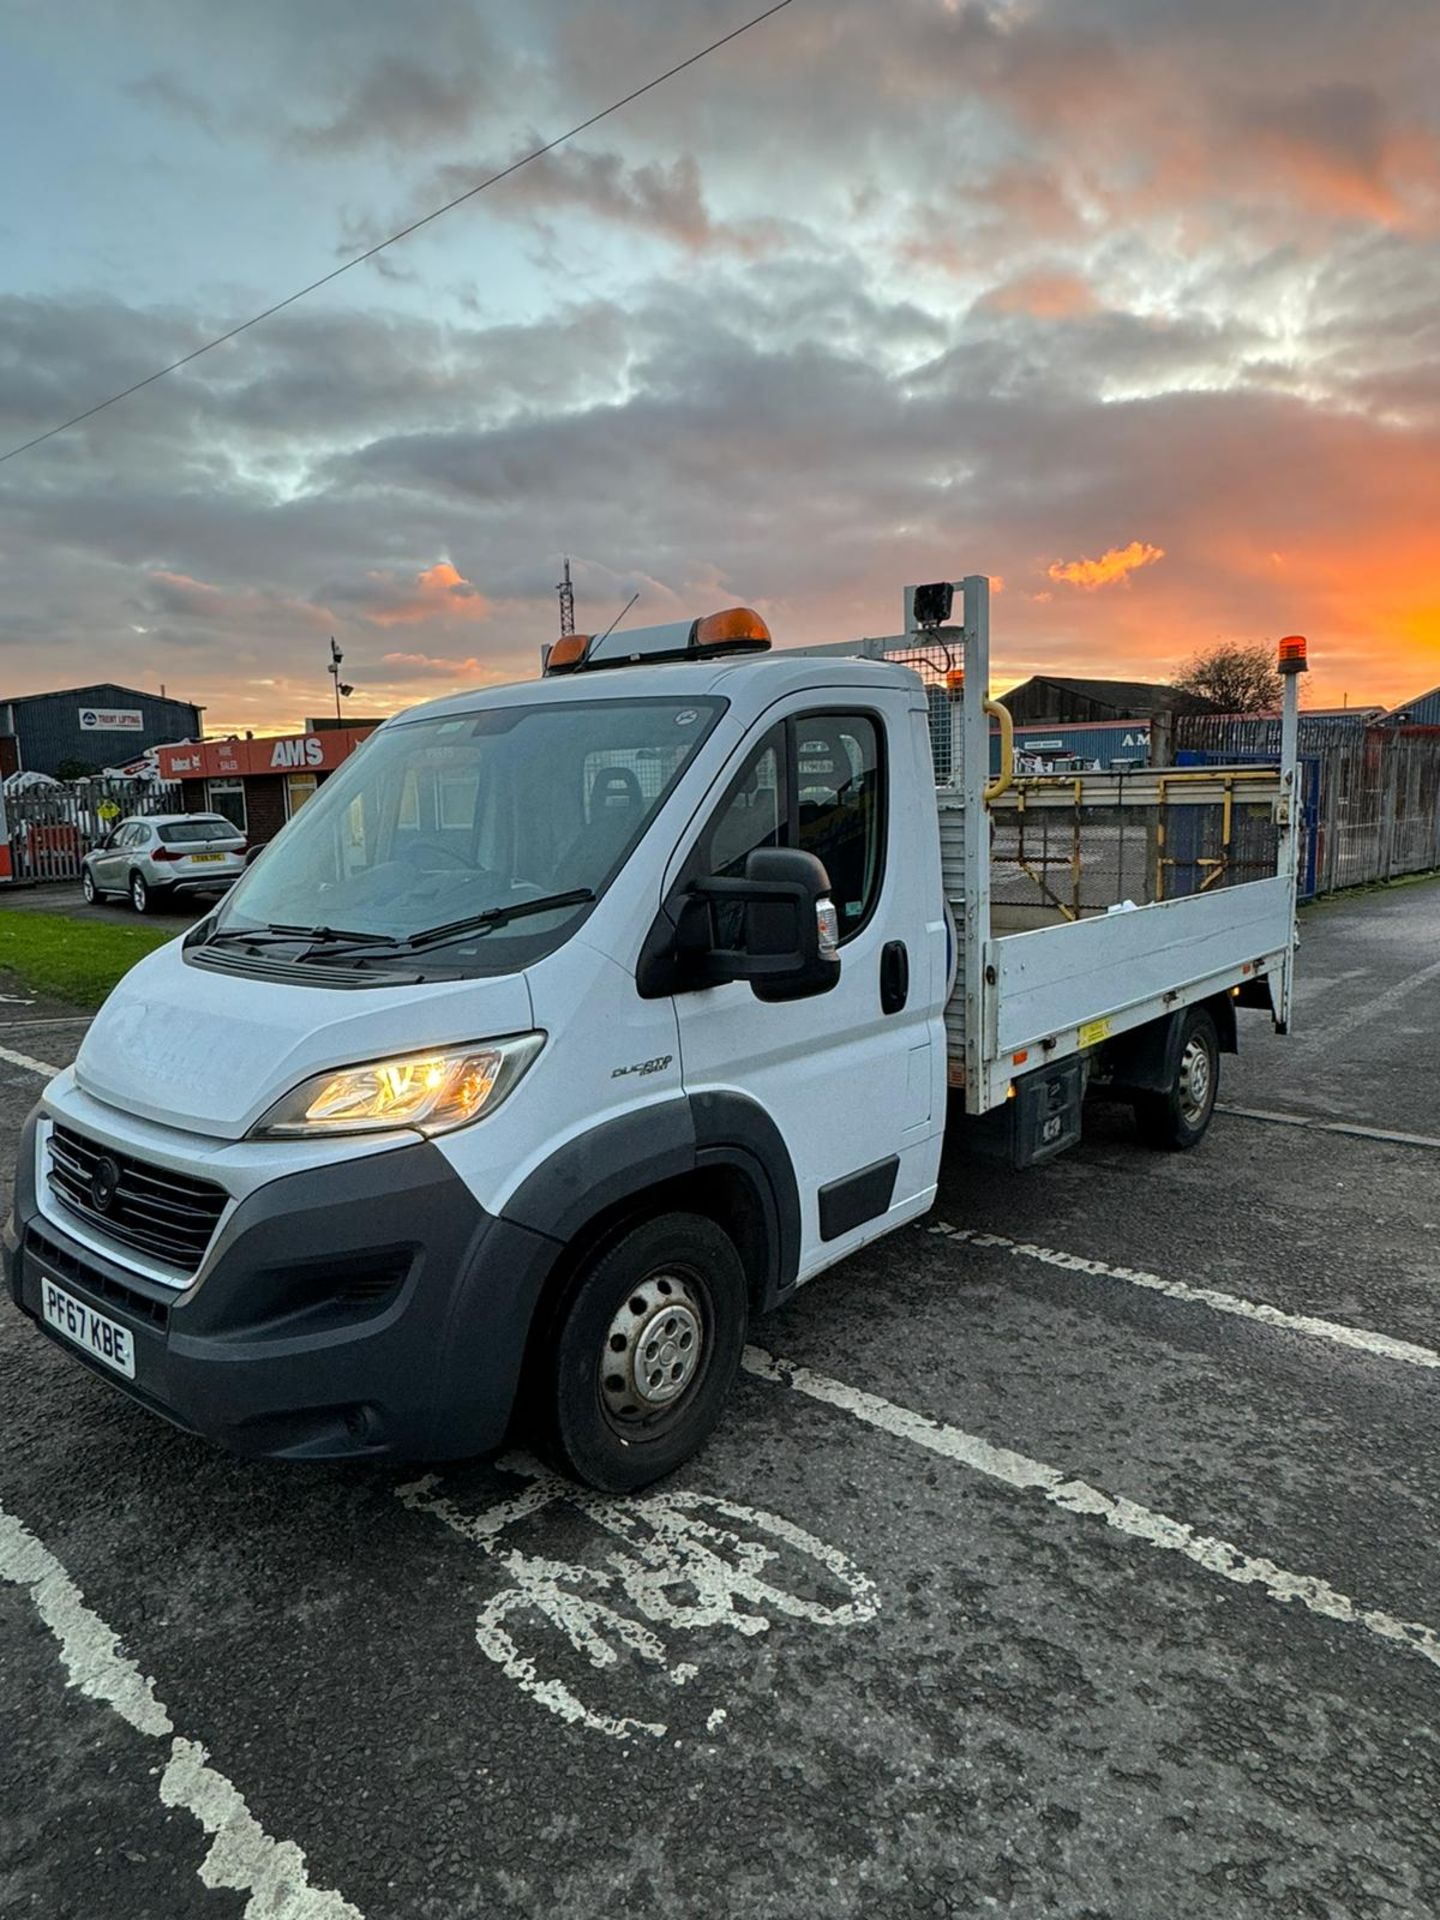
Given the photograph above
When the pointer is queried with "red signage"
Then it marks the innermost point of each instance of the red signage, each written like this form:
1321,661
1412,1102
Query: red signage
292,753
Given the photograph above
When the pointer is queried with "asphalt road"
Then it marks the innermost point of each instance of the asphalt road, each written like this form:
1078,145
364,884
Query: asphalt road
1076,1556
64,896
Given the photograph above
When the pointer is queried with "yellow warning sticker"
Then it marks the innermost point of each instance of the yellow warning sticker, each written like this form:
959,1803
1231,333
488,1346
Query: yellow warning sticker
1093,1032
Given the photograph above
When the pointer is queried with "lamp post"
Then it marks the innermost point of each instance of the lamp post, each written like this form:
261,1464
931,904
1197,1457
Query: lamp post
336,656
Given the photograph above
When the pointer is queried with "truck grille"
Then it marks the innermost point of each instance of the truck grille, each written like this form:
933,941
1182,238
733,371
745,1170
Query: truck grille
166,1215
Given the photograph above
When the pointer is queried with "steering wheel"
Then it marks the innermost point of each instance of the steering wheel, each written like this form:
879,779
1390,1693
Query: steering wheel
424,848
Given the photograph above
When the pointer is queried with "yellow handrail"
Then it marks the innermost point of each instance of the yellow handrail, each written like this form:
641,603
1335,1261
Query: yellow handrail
1007,751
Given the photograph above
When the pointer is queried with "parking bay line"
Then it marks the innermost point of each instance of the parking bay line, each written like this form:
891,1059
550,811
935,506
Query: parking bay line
242,1856
1158,1530
1351,1129
1380,1346
29,1064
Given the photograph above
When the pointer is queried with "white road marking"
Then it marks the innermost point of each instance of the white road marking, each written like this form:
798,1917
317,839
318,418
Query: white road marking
1369,1010
50,1020
693,1561
241,1856
1317,1123
30,1065
1158,1530
1381,1346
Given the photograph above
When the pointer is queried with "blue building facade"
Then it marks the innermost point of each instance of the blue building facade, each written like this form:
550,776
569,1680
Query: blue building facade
104,725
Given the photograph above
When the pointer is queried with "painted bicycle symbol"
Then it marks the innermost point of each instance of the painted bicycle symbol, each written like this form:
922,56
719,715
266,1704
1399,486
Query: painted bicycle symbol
684,1563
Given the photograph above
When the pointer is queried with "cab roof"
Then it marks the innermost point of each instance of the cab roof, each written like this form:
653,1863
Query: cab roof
747,679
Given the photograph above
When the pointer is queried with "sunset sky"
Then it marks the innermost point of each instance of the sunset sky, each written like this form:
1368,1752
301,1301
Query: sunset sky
1133,304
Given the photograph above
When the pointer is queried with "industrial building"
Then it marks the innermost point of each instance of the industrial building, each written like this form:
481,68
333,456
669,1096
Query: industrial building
1422,711
86,729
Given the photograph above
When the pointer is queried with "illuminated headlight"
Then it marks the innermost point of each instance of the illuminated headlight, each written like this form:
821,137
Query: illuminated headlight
430,1092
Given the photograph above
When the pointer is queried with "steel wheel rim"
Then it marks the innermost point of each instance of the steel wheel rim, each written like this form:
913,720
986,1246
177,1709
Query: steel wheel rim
653,1351
1196,1081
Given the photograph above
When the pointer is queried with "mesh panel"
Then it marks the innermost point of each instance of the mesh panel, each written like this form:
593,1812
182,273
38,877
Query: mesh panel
932,661
1064,857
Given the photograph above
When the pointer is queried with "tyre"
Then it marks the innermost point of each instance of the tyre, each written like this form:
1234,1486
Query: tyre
87,887
644,1353
1179,1118
139,893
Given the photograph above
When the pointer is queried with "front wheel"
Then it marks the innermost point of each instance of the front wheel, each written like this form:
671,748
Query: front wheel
87,887
645,1353
139,893
1179,1118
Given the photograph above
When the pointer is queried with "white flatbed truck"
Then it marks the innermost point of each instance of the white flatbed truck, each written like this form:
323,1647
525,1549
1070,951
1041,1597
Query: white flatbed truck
575,1022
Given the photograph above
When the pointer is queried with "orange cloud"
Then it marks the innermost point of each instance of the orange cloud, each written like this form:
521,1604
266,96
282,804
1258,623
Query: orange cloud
410,666
1044,296
441,593
1117,563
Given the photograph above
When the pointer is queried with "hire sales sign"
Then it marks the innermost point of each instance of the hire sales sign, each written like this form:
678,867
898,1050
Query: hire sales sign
112,720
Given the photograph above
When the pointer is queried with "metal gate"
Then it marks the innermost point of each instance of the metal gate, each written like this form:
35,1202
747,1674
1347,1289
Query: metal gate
52,828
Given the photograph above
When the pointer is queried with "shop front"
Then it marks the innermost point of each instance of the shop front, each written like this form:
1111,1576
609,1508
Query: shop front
258,784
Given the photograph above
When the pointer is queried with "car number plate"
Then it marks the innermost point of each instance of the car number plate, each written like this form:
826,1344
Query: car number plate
88,1329
207,856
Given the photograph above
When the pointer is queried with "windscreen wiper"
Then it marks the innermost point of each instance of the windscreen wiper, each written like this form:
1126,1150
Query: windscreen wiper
326,937
495,917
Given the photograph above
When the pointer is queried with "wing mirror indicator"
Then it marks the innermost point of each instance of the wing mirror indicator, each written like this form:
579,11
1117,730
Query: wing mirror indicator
776,928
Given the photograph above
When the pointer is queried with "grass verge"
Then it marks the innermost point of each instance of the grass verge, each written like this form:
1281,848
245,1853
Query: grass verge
76,960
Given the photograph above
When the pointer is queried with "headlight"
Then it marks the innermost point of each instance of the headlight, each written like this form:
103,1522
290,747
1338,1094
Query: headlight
431,1092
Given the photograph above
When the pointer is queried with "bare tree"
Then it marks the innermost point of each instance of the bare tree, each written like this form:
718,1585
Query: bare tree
1238,676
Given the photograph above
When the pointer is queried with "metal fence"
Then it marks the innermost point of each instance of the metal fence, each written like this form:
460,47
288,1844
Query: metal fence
52,828
1372,794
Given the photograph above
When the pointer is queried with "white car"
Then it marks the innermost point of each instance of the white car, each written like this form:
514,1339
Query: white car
152,856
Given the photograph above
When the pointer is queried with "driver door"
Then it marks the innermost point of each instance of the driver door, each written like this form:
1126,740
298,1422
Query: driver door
848,1076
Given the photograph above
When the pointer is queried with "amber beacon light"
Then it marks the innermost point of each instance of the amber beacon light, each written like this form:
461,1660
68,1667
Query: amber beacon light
733,628
1292,654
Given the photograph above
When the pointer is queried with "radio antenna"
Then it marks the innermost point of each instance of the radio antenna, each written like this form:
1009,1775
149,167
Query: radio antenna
616,621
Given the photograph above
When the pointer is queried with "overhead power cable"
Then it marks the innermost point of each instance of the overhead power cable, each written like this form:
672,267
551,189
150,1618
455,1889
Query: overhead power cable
494,179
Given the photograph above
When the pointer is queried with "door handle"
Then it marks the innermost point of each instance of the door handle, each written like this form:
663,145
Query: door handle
894,976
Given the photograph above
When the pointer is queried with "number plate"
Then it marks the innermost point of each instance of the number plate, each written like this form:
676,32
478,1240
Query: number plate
88,1329
207,856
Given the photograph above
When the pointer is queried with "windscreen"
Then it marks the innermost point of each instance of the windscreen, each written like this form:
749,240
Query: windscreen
181,833
443,820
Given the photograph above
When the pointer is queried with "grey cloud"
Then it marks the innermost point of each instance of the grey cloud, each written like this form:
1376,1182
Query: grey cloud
402,103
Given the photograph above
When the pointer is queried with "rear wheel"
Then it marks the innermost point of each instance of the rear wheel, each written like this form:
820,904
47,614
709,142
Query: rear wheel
87,887
139,893
645,1353
1179,1118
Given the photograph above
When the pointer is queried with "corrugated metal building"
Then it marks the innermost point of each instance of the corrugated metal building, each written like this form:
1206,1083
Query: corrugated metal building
99,726
1048,701
1422,711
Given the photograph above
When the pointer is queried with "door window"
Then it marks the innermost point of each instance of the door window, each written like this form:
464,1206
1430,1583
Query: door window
227,797
839,808
299,787
815,782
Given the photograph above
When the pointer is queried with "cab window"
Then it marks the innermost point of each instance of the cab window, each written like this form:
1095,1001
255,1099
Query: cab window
814,782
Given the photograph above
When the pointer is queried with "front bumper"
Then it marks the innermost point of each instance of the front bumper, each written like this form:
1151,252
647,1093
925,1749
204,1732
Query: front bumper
367,1307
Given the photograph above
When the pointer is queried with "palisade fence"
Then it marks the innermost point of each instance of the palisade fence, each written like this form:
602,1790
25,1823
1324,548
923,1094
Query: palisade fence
52,828
1371,795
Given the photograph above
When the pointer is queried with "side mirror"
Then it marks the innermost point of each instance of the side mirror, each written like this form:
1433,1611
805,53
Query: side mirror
775,928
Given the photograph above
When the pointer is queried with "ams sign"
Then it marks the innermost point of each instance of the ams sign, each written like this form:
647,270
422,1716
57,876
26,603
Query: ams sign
308,751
